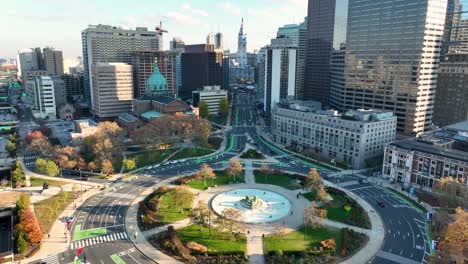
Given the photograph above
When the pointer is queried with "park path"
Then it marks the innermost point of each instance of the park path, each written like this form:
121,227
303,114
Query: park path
255,249
249,175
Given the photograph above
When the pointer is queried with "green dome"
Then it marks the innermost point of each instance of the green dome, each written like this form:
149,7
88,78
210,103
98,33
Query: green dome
156,82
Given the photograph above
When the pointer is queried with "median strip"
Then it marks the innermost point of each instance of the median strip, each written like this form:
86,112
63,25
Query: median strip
82,234
117,259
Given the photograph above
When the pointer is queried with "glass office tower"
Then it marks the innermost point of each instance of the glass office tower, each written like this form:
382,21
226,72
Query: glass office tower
326,32
392,58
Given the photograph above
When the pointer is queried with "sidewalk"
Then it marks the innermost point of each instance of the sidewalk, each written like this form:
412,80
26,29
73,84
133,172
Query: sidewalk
376,234
59,238
135,235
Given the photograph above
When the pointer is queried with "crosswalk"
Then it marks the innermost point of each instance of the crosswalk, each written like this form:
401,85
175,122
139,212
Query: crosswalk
51,259
98,240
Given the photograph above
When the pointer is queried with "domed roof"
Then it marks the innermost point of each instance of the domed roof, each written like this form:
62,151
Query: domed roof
156,81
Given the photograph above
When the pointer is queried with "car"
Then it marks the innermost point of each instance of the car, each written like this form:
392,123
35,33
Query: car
381,204
118,180
70,218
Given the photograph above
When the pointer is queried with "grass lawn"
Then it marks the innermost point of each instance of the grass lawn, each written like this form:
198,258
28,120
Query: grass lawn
221,179
218,244
117,163
39,182
337,212
294,241
150,157
167,210
310,195
49,209
190,153
218,119
285,180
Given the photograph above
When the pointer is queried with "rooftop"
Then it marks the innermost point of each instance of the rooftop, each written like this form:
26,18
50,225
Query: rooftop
151,114
129,118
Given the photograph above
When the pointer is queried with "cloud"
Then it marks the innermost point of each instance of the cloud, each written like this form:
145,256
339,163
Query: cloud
260,12
229,7
300,3
188,7
183,18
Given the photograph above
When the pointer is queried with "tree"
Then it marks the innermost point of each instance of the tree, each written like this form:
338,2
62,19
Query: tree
129,164
51,169
182,195
21,244
40,166
23,202
230,221
37,142
30,226
201,215
455,241
223,106
92,166
106,166
17,174
203,108
321,194
11,148
205,172
314,217
67,157
234,169
313,180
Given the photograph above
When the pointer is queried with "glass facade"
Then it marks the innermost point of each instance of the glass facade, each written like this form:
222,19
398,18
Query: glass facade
326,32
392,58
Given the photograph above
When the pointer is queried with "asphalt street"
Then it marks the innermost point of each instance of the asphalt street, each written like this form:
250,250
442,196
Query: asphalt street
103,214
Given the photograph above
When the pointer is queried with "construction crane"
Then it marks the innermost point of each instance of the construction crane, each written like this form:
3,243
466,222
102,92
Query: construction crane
160,30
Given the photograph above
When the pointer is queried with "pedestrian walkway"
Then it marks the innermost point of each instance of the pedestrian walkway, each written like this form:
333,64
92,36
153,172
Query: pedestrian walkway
98,240
255,249
51,259
249,175
58,238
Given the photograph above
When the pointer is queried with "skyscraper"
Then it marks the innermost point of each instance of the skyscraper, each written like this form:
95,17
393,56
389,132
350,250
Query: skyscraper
210,39
218,41
301,59
48,60
112,89
290,31
202,65
242,46
106,44
280,72
451,103
326,31
392,58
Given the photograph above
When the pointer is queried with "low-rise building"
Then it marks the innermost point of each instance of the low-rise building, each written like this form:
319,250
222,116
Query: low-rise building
83,128
212,95
355,137
426,159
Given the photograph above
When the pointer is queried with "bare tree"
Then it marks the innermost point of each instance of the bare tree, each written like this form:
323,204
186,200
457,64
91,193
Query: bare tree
314,217
313,180
205,172
235,168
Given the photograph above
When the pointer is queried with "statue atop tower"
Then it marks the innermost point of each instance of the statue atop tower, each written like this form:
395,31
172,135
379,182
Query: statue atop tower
242,46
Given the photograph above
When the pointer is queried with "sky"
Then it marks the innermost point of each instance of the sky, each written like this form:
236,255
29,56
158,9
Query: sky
58,23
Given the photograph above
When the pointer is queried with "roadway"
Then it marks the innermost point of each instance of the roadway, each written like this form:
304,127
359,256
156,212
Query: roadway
405,240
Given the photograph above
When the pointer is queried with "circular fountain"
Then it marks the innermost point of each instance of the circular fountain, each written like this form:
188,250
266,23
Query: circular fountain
256,205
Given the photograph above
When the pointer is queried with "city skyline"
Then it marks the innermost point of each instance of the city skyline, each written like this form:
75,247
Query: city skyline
190,21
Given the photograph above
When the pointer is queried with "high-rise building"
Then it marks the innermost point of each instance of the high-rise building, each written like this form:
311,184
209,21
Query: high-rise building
451,99
47,59
456,31
53,61
210,39
301,59
106,44
143,62
112,89
218,41
74,85
242,46
337,83
280,72
391,65
290,31
176,44
326,31
41,90
202,65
